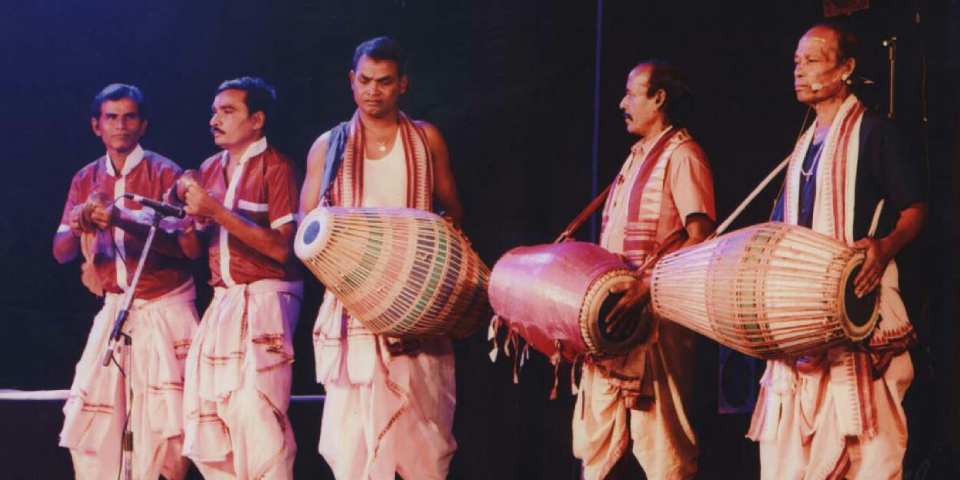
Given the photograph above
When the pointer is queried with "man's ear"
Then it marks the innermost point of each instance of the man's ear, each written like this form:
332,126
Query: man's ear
850,66
352,75
403,84
95,125
259,120
660,98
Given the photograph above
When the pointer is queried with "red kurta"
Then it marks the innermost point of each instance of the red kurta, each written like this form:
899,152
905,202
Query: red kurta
116,252
265,189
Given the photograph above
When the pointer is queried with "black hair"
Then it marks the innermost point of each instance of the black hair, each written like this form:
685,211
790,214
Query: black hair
664,75
260,96
380,49
117,91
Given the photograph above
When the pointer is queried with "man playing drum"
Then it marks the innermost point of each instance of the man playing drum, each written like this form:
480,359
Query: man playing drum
665,185
838,414
389,405
162,318
238,372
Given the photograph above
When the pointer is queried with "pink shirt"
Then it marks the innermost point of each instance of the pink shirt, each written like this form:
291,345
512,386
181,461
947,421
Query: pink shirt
264,189
687,189
117,251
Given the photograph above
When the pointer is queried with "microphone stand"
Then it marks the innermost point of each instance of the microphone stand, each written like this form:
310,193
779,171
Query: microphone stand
891,44
127,349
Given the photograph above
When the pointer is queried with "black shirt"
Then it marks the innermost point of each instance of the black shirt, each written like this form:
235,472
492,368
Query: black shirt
886,169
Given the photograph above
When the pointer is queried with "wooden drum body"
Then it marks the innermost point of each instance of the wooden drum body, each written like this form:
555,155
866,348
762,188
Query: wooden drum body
557,297
770,291
402,272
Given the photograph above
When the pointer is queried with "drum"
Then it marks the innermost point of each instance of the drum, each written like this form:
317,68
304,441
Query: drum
770,291
401,272
557,298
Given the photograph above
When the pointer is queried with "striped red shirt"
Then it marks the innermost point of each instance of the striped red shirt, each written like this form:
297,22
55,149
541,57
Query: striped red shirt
266,191
117,251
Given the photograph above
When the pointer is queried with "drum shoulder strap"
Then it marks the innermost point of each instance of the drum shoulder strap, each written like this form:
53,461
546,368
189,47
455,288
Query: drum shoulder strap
584,215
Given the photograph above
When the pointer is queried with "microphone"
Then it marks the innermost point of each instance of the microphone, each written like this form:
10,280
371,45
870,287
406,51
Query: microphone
817,86
164,209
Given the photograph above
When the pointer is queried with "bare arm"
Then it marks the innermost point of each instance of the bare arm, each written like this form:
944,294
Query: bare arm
879,252
66,247
66,242
698,227
274,243
444,186
192,241
313,181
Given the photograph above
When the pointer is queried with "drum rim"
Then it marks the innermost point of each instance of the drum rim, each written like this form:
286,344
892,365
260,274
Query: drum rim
854,332
306,251
590,308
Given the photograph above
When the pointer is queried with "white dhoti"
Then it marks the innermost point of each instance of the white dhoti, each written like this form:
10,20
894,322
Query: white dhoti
238,379
604,422
383,415
810,445
805,419
161,330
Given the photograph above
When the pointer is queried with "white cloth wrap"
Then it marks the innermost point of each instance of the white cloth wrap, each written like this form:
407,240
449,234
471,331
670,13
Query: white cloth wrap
161,330
238,379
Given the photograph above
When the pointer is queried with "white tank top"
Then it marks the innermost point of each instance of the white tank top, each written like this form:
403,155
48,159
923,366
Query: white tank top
385,180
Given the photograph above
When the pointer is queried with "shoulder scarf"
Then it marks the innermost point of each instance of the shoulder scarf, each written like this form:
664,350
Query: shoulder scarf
346,188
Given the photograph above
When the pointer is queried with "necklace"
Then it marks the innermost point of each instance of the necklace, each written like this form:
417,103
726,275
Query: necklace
806,174
813,166
382,145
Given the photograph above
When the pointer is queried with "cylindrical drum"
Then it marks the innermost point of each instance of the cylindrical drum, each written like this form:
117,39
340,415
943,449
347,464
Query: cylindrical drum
770,291
402,272
557,297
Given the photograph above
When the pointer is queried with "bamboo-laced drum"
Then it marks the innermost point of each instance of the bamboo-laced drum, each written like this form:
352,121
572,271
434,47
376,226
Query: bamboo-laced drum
402,272
770,291
557,297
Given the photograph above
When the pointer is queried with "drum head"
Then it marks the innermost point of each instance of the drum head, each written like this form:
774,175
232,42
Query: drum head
858,315
597,306
310,231
312,234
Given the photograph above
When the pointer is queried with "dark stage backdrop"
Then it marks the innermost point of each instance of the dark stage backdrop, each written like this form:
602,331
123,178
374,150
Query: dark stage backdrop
511,85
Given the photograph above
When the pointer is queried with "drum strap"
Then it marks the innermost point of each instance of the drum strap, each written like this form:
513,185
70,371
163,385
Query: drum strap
675,237
584,215
592,207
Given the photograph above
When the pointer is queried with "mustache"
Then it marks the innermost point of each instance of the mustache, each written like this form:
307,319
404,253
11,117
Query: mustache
215,130
626,115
